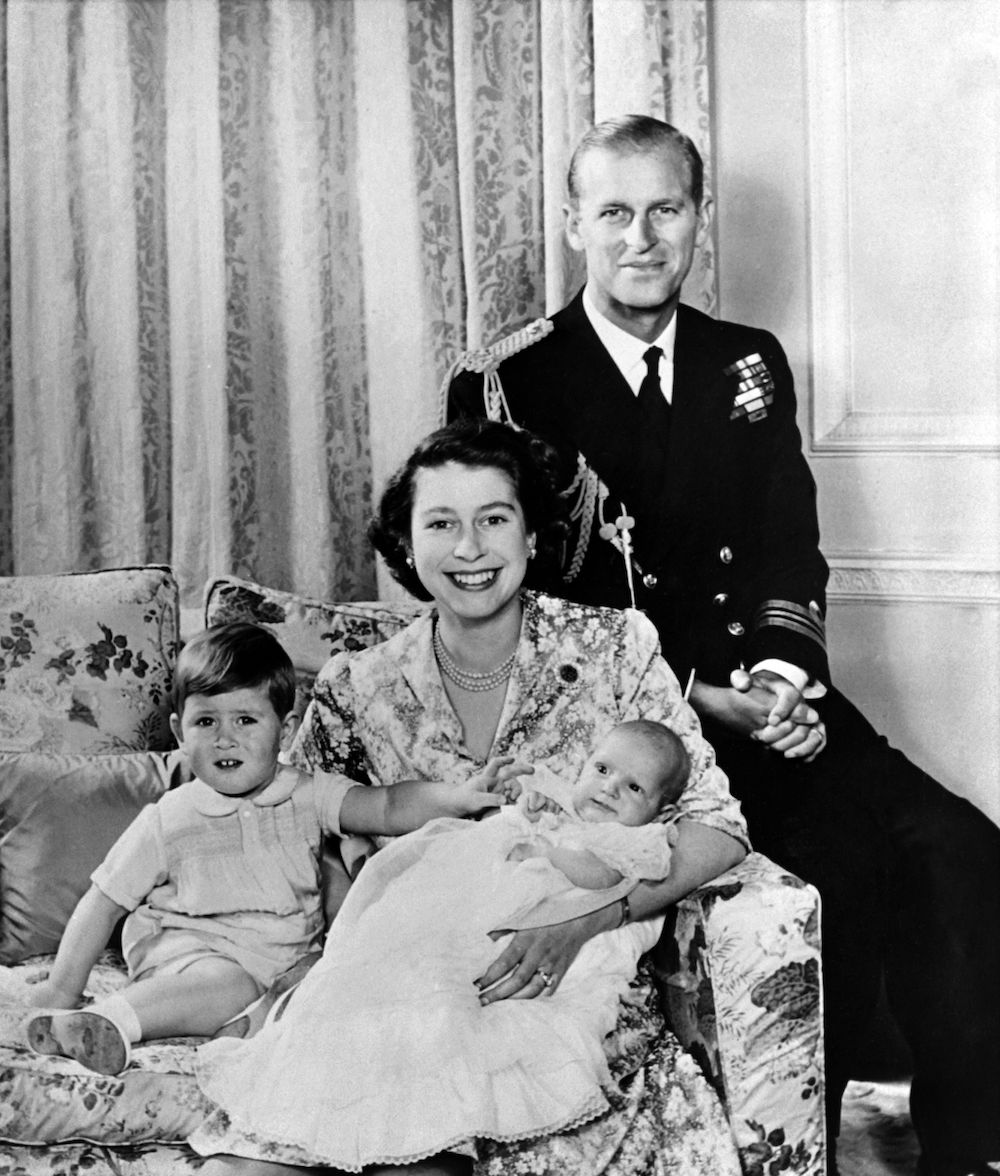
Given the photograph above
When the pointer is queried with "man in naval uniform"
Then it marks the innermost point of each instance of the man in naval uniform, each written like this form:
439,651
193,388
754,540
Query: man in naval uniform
691,498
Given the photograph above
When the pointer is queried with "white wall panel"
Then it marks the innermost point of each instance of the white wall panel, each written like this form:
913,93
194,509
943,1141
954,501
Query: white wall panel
857,194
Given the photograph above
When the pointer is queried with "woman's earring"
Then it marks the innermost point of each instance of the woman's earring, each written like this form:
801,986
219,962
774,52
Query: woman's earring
531,551
409,561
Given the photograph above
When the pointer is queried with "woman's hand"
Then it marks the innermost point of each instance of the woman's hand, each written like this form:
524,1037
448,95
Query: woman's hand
501,776
535,961
535,803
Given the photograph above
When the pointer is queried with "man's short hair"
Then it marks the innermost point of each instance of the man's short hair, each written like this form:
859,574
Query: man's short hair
236,655
638,133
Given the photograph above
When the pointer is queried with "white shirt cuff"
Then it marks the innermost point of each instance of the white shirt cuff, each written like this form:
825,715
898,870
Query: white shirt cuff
794,674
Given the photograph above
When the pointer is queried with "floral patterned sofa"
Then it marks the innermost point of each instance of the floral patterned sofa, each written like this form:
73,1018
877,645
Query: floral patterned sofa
85,665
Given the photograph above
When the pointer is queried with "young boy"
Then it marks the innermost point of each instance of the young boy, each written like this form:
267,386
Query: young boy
219,879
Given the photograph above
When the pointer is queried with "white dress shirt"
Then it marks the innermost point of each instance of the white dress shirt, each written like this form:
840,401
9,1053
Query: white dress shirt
627,351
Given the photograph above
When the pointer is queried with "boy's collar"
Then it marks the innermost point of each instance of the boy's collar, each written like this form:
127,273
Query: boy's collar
210,803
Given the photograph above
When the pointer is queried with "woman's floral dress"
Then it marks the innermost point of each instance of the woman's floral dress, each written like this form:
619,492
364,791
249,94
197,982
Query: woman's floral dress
381,716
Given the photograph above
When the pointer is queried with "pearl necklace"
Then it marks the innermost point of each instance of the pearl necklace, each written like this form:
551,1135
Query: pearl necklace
473,680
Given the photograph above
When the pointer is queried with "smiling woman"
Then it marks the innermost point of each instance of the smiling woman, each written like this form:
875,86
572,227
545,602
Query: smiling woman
494,682
466,509
470,547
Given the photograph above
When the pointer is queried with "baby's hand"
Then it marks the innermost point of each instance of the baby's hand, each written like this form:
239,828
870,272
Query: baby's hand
500,776
533,804
495,785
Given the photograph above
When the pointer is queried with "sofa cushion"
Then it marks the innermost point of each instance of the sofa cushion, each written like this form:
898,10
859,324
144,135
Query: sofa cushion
310,630
97,1159
49,1099
59,815
86,660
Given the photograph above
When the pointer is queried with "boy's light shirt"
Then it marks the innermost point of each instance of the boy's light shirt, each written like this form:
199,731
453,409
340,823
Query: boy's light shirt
627,353
354,848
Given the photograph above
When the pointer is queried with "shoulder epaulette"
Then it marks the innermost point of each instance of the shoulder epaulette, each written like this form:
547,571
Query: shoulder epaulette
586,494
481,359
486,360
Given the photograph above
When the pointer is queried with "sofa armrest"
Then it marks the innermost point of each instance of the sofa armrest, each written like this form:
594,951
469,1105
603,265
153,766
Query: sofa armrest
738,969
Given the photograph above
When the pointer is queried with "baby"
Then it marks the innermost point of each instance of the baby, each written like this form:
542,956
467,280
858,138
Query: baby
219,879
632,778
393,1008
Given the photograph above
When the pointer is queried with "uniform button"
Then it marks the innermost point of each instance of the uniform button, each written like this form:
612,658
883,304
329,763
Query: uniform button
726,555
720,598
245,814
649,580
736,628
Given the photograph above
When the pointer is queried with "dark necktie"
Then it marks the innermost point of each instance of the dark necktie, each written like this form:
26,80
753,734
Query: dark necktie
653,407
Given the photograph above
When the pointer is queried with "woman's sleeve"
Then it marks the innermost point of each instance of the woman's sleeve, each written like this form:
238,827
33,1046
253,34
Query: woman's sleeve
328,739
328,742
636,852
650,690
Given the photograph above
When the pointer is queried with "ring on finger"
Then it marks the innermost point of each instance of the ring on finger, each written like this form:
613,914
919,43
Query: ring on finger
547,978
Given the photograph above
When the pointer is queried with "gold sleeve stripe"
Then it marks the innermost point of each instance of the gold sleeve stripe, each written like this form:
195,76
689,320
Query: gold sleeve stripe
789,615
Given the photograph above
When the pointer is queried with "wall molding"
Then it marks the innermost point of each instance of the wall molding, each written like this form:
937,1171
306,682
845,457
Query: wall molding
928,580
836,424
875,432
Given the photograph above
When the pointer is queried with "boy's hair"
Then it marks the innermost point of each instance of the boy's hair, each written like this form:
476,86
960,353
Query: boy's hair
236,655
676,761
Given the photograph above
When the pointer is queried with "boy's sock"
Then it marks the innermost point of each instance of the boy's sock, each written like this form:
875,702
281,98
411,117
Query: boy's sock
117,1009
98,1037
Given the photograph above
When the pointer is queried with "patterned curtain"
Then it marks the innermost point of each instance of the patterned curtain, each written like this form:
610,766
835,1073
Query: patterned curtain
6,374
188,376
493,142
242,242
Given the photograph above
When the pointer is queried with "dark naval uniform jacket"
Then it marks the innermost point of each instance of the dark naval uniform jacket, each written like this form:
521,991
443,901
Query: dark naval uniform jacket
726,541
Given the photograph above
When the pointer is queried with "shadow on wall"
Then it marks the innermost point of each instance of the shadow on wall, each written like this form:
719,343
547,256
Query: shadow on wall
899,660
747,213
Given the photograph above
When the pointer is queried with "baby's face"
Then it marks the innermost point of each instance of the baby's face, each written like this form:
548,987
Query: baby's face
621,782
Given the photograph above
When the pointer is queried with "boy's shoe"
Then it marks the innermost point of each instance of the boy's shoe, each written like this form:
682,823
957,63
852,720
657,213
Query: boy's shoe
88,1038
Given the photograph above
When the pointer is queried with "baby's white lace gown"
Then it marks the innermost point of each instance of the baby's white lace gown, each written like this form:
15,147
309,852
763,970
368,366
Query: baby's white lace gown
385,1053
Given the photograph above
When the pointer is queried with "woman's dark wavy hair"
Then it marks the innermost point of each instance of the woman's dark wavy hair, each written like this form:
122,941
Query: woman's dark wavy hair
529,462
